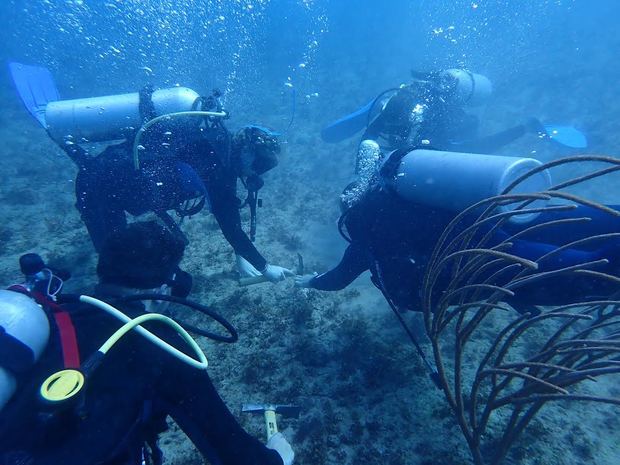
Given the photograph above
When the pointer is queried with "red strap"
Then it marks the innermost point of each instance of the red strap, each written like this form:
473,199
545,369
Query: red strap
19,288
68,339
66,330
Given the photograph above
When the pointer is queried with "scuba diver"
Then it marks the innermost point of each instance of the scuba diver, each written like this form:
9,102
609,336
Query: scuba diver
393,223
176,155
107,186
429,111
111,390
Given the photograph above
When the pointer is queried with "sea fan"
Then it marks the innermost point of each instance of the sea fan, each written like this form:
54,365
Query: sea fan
497,366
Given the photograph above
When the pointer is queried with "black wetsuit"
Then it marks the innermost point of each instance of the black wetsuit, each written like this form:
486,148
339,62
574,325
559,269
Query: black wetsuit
391,235
420,112
108,186
126,402
220,179
394,238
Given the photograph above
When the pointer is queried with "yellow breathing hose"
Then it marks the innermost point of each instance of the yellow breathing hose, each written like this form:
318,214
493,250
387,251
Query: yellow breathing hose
64,385
200,363
148,124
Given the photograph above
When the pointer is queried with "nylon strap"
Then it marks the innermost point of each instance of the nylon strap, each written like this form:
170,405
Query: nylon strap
66,331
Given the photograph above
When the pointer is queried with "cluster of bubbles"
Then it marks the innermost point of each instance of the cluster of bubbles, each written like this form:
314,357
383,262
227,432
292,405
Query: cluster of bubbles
316,26
466,33
200,43
159,37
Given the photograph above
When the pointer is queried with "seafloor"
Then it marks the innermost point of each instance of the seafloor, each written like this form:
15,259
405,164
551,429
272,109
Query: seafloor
365,397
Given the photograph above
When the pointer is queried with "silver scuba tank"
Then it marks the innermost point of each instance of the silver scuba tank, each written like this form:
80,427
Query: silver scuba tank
25,321
454,181
99,119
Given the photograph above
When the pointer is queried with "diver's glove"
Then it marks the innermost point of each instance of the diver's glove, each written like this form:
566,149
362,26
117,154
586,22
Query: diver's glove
279,443
305,280
246,269
276,273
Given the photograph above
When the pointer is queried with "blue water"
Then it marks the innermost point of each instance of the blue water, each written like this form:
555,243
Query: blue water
250,49
309,62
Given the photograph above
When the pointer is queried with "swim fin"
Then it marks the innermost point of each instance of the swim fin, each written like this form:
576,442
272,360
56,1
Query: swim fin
36,88
347,126
566,135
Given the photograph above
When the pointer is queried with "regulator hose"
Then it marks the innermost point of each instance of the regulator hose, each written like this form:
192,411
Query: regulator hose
233,335
142,130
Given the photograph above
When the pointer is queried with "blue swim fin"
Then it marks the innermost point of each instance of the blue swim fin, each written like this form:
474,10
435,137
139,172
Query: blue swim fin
347,126
35,86
566,135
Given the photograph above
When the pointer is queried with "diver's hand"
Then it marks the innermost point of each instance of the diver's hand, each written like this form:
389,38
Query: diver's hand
304,280
533,125
279,443
245,268
276,273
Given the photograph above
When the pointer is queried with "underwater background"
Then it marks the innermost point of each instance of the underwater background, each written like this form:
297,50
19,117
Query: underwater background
295,66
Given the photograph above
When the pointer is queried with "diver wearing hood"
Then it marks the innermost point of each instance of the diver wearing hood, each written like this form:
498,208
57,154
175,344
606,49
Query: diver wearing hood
430,111
393,237
185,164
176,155
124,401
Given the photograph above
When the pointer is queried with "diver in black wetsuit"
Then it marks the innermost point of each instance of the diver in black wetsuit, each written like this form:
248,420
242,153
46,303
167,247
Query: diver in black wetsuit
430,112
127,398
201,168
394,238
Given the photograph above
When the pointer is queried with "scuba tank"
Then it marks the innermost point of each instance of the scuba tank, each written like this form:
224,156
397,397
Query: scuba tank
471,89
454,181
99,119
24,332
24,324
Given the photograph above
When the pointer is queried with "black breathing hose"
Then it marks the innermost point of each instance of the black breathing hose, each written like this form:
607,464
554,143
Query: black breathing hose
233,335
